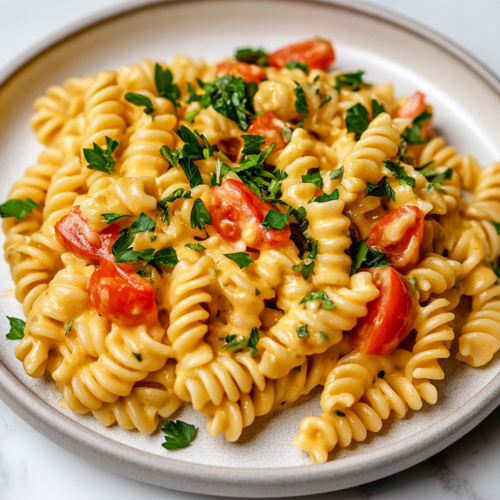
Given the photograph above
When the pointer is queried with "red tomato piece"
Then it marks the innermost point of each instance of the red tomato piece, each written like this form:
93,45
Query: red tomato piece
121,296
270,127
413,107
408,223
390,316
315,53
77,235
249,72
237,214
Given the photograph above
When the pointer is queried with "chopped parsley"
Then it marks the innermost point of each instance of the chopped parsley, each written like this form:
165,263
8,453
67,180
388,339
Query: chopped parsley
334,195
437,180
300,102
199,215
241,258
314,178
142,224
323,337
382,188
252,56
364,256
171,155
166,257
496,225
413,134
17,327
353,81
68,327
17,208
137,356
327,304
198,247
257,292
253,341
357,120
377,108
399,173
302,332
340,413
275,184
233,343
101,159
192,172
305,269
191,116
175,195
192,147
165,85
287,133
325,99
253,144
140,100
276,220
338,173
178,434
300,65
110,218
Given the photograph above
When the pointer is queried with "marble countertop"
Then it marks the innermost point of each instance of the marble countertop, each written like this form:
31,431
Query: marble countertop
33,467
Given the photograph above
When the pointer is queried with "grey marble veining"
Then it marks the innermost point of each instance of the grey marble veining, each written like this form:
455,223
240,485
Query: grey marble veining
32,467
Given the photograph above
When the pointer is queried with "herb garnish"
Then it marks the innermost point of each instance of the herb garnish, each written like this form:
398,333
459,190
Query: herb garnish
252,56
276,220
192,147
142,224
325,98
198,247
178,434
300,102
334,195
314,178
437,180
253,144
137,356
352,80
327,304
295,64
17,327
364,256
175,195
496,225
192,172
382,188
241,258
17,208
399,173
287,133
302,332
338,173
101,159
110,218
253,341
377,108
171,155
140,100
199,215
68,327
357,120
165,85
413,135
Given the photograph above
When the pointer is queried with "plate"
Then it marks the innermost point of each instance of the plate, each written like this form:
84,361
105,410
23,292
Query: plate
264,462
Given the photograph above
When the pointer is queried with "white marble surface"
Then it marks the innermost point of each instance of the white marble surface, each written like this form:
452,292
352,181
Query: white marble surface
33,467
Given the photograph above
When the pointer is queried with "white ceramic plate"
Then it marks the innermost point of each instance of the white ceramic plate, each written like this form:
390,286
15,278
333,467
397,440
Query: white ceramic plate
264,462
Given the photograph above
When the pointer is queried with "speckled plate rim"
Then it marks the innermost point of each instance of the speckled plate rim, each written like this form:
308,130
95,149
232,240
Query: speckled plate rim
276,482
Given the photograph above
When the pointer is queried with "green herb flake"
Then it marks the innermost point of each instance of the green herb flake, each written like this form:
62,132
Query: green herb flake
323,337
253,144
171,155
275,220
111,218
399,173
192,147
364,256
287,133
233,343
142,224
191,170
334,195
17,208
257,291
198,247
437,180
101,159
340,413
300,65
496,225
137,356
413,134
17,327
68,327
357,120
325,99
377,108
252,56
314,178
253,341
326,303
382,188
305,269
176,195
191,116
165,85
300,102
338,173
166,257
199,215
178,434
241,258
302,332
140,100
354,81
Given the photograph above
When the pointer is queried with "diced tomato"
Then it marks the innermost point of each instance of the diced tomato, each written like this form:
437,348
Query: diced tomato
121,296
270,127
249,72
414,106
407,225
77,235
390,316
316,53
237,214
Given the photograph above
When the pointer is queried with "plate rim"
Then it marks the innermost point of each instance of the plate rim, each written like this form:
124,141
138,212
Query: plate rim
217,480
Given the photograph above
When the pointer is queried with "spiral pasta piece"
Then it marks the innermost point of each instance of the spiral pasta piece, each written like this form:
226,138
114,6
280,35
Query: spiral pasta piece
486,194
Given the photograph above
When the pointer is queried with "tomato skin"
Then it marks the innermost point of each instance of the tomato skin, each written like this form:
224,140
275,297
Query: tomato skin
270,127
237,214
77,235
249,72
413,107
406,252
316,53
390,316
121,296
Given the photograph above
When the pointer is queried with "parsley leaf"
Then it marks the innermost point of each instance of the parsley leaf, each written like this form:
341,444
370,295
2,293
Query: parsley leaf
164,209
137,356
241,258
300,102
253,341
314,178
175,195
192,147
275,184
382,188
352,80
357,120
313,249
191,116
327,304
325,99
338,173
101,159
196,246
165,85
17,208
199,215
166,257
302,332
171,155
68,327
231,97
193,96
252,56
178,434
191,170
142,224
437,180
399,173
413,135
233,343
334,195
276,220
110,218
377,108
364,256
253,144
140,100
295,64
287,133
305,269
496,225
17,327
